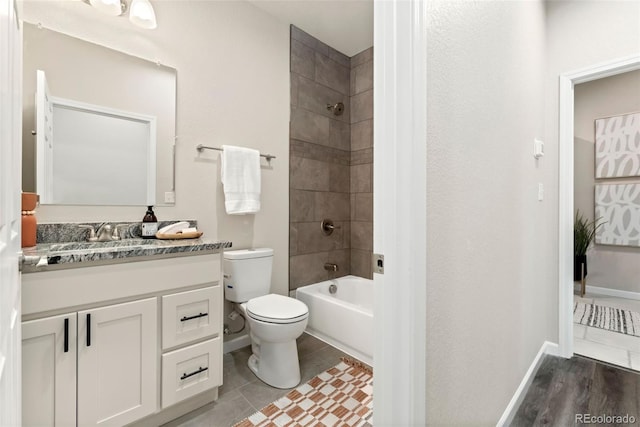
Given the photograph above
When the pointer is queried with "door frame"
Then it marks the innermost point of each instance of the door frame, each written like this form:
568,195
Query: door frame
400,211
565,181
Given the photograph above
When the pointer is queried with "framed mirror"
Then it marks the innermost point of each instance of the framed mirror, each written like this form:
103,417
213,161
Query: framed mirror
110,137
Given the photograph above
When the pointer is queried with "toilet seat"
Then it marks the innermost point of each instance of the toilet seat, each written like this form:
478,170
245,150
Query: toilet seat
274,308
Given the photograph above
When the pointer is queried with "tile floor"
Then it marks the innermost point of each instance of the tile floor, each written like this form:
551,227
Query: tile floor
242,393
611,347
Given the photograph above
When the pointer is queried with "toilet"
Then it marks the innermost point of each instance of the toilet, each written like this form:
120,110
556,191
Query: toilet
275,321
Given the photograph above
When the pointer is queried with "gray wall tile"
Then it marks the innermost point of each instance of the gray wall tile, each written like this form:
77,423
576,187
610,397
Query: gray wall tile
361,263
362,135
293,238
307,174
310,127
339,178
362,235
312,240
303,59
342,257
362,178
339,57
362,156
314,97
363,77
309,40
339,135
301,205
322,48
362,207
319,152
309,268
331,74
362,57
293,86
361,105
334,206
346,234
306,269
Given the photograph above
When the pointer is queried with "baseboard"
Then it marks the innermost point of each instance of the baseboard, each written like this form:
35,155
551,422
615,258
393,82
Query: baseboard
612,292
508,414
236,343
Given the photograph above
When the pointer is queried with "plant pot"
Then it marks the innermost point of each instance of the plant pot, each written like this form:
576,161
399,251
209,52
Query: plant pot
578,261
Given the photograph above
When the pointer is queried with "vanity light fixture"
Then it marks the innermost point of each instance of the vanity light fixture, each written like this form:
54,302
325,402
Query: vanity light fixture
141,12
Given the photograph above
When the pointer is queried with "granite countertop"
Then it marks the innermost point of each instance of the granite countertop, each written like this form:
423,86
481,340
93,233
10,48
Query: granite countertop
65,245
81,253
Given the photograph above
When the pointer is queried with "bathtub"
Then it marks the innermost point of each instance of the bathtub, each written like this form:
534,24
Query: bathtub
343,319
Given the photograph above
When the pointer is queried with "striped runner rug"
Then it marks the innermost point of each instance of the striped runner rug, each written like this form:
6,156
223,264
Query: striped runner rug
340,396
609,318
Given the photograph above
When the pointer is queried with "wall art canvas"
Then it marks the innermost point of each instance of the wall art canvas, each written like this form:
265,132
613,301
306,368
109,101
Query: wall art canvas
618,146
618,206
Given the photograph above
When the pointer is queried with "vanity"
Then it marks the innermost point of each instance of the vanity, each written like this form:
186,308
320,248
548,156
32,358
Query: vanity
121,333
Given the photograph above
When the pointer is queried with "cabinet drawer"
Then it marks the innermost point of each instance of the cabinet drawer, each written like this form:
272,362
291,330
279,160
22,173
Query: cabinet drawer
191,370
190,315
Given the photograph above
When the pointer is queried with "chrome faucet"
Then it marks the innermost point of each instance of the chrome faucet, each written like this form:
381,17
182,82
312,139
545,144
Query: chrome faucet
104,233
331,267
92,233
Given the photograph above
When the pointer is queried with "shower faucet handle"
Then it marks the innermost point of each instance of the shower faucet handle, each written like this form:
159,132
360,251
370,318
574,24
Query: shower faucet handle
327,226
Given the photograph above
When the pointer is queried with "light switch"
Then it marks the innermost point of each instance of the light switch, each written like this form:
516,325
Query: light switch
169,197
540,191
538,148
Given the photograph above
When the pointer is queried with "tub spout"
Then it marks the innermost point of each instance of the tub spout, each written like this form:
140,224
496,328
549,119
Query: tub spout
331,267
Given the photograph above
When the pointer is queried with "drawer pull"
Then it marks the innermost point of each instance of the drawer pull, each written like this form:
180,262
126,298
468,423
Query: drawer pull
185,318
201,369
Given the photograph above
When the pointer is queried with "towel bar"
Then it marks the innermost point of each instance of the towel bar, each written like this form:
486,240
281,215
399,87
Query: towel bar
201,147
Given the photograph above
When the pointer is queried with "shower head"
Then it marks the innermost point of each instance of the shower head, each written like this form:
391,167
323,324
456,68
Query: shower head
337,109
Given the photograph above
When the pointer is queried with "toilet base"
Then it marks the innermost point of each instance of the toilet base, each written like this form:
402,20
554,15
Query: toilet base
277,364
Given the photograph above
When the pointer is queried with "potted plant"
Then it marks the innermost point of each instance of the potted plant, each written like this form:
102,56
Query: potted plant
584,232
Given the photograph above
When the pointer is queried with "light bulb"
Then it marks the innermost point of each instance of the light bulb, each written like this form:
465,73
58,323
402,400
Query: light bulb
142,14
109,7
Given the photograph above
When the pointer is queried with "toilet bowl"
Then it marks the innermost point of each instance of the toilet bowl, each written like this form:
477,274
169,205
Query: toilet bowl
275,321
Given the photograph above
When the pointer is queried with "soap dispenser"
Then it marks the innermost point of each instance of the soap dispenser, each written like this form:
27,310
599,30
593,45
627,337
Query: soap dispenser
149,224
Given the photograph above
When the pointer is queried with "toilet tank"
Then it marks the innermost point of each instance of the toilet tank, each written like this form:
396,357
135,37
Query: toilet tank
247,273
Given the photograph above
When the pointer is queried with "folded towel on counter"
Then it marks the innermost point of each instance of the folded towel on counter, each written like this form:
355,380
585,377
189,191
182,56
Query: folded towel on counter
240,169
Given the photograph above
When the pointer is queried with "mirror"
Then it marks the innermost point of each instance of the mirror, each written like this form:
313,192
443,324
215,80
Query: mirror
93,87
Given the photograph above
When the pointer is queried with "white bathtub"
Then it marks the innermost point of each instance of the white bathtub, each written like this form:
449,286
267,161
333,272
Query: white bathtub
343,319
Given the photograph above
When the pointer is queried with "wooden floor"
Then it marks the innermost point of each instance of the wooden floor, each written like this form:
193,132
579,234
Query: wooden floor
564,388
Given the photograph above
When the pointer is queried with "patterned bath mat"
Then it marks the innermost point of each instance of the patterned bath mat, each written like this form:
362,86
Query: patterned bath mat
609,318
340,396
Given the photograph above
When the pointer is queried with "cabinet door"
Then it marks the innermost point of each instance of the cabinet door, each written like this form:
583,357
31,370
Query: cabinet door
49,371
117,363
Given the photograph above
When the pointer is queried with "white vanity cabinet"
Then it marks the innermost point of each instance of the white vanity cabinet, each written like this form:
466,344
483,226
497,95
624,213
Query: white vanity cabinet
115,373
121,335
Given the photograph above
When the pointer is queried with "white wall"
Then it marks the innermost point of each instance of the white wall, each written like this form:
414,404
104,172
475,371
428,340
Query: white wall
491,282
614,267
233,88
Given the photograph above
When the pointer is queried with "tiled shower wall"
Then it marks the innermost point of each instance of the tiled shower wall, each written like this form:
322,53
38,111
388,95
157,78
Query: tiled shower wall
328,179
361,188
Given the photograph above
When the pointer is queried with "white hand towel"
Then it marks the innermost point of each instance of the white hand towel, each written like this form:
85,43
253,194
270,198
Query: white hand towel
240,168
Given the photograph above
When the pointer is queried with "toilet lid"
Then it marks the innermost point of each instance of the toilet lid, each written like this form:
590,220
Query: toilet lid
277,309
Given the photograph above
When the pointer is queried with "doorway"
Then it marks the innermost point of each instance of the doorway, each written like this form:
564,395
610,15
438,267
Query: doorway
566,186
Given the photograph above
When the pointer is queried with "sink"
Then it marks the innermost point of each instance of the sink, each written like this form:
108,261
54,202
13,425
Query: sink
76,246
